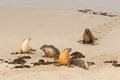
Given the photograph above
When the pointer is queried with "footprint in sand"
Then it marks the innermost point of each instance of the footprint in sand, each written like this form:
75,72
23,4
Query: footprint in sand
101,31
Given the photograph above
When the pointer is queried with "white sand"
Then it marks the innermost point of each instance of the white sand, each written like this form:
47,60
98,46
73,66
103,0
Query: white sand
61,28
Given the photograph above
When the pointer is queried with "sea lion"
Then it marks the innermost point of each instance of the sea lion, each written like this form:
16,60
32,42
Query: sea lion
76,55
50,51
80,63
88,37
25,48
64,57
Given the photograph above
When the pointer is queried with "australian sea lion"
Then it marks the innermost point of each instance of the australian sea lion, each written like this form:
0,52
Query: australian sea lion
80,63
76,55
50,51
88,37
64,57
25,48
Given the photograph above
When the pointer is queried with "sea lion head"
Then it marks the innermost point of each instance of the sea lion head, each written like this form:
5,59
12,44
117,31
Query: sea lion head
87,30
76,55
67,50
28,39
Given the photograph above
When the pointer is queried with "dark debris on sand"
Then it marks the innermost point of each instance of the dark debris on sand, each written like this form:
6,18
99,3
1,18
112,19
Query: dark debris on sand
22,66
113,62
97,13
21,61
15,53
116,65
17,61
42,62
26,57
1,59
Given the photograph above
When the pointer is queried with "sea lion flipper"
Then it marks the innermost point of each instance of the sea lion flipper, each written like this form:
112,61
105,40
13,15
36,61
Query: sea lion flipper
33,49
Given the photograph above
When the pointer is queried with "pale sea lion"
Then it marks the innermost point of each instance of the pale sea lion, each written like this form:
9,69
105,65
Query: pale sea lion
50,51
64,57
25,48
88,37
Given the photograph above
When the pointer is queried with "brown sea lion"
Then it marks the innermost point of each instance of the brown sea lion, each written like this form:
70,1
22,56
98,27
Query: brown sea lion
88,37
64,57
50,51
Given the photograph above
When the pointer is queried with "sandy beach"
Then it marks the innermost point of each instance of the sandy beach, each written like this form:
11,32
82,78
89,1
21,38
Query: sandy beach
61,28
